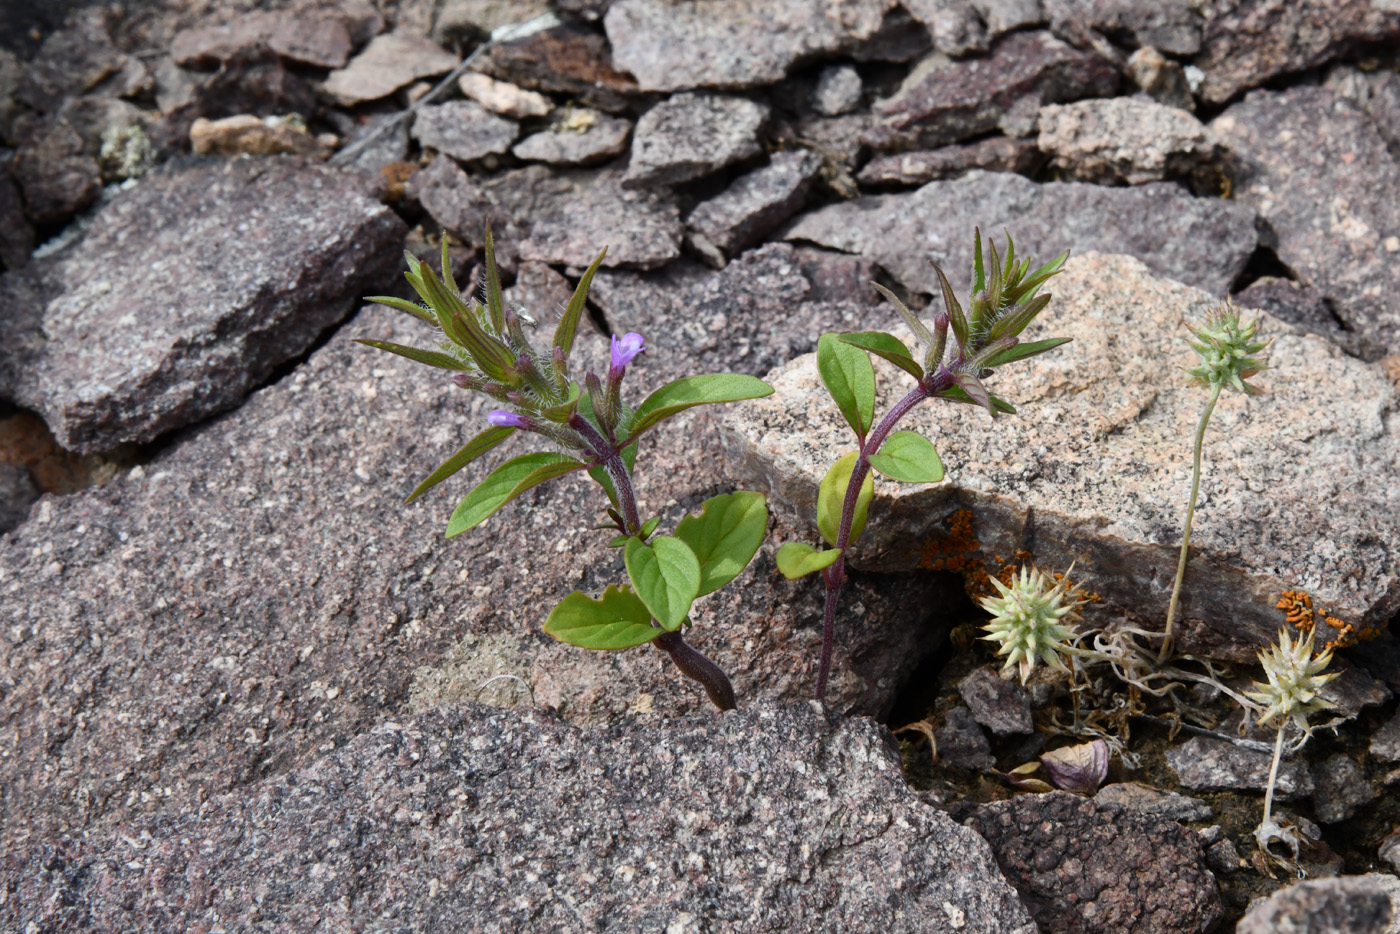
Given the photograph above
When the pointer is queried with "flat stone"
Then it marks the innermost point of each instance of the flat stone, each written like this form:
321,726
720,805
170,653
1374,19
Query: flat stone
838,90
1344,905
464,130
1328,195
1341,789
1003,707
1203,242
1246,44
567,59
691,135
755,203
731,45
585,137
1205,764
953,25
961,742
197,318
1385,742
944,101
1116,397
1174,26
256,136
56,177
1086,866
17,494
390,62
1162,78
994,154
504,98
541,292
1124,140
1155,803
321,41
486,801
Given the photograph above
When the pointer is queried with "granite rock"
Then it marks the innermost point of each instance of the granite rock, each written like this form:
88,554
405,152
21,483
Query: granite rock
755,203
838,90
1174,26
71,60
1124,140
1205,764
561,58
1328,195
1002,16
1202,242
953,25
463,130
994,154
1003,707
459,24
732,45
1385,742
1376,92
504,98
197,317
17,494
254,136
1162,78
585,137
1344,905
691,135
391,61
944,101
1086,866
1341,789
1295,492
56,177
321,41
1223,858
770,818
961,742
1155,803
1306,309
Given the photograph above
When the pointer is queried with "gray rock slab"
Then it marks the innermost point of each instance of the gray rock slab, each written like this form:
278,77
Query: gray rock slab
1202,242
1342,789
464,130
321,41
391,61
1344,905
1086,866
1162,805
584,140
994,154
731,45
562,58
961,742
1002,16
838,91
1246,44
1307,309
1124,140
691,135
1377,92
71,60
1385,742
188,289
756,203
1328,195
1003,707
953,25
943,101
472,819
1095,469
1174,26
1205,764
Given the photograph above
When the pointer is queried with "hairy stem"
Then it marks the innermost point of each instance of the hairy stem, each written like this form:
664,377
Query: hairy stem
697,667
610,457
1190,517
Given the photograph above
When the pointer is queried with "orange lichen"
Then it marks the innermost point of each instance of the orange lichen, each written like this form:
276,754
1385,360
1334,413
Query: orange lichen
1302,616
959,553
1299,606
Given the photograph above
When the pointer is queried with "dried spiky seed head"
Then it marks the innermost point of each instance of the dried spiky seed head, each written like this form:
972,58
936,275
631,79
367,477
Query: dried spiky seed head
1226,347
1033,618
1295,678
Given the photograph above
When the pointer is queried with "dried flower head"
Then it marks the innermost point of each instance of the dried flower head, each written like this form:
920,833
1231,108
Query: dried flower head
1227,349
1032,618
1295,678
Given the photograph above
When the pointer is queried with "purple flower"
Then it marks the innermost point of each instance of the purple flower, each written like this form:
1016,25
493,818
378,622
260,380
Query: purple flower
503,419
625,350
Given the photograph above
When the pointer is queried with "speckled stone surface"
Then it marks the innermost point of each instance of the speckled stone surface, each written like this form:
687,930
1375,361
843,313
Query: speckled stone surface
1124,140
688,136
391,61
1344,905
1206,764
1297,489
463,130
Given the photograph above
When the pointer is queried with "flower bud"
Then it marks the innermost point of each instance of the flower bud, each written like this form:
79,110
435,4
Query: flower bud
503,419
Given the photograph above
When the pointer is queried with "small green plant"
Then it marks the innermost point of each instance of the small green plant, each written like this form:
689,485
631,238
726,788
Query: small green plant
1226,347
1004,302
589,427
1033,618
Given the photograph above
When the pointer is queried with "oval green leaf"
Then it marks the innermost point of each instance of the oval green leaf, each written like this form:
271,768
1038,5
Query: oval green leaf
831,496
505,483
798,559
470,451
690,391
848,376
666,575
908,457
725,536
1026,350
618,620
886,346
443,361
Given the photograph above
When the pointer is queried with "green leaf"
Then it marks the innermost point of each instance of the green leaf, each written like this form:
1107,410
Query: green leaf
447,279
505,483
470,451
1028,349
979,278
831,497
600,475
885,346
618,620
908,457
1018,318
848,376
560,413
975,390
725,536
666,575
690,391
955,311
568,325
495,307
798,559
921,331
956,394
403,304
443,361
649,526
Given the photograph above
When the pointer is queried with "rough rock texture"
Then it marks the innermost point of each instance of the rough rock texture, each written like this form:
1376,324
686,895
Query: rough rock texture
56,178
1002,16
1345,905
1376,92
197,317
1081,865
471,819
1095,468
255,81
1163,78
756,203
1341,790
731,45
17,494
504,98
953,25
1306,309
690,135
1201,242
1385,742
1003,707
1205,764
1160,805
1247,43
391,61
586,137
1174,26
566,59
1124,140
320,41
961,742
16,236
838,90
944,101
256,136
71,60
1328,195
995,154
464,130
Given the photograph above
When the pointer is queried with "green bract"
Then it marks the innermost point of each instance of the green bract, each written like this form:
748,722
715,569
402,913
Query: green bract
1226,348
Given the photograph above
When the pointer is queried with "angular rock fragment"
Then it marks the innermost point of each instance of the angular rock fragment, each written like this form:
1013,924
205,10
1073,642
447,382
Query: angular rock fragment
1376,92
71,60
1306,308
1174,26
321,41
953,25
994,154
246,134
504,98
1162,78
690,135
640,229
1152,802
1124,140
255,81
1001,706
1328,195
943,102
464,130
1344,905
1342,789
1385,742
56,177
462,23
1002,16
811,805
838,90
1092,470
755,203
390,62
562,59
1205,764
196,317
961,742
1202,242
585,137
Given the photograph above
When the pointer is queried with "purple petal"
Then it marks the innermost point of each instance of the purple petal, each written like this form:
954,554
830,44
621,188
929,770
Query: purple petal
1080,769
504,419
626,348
